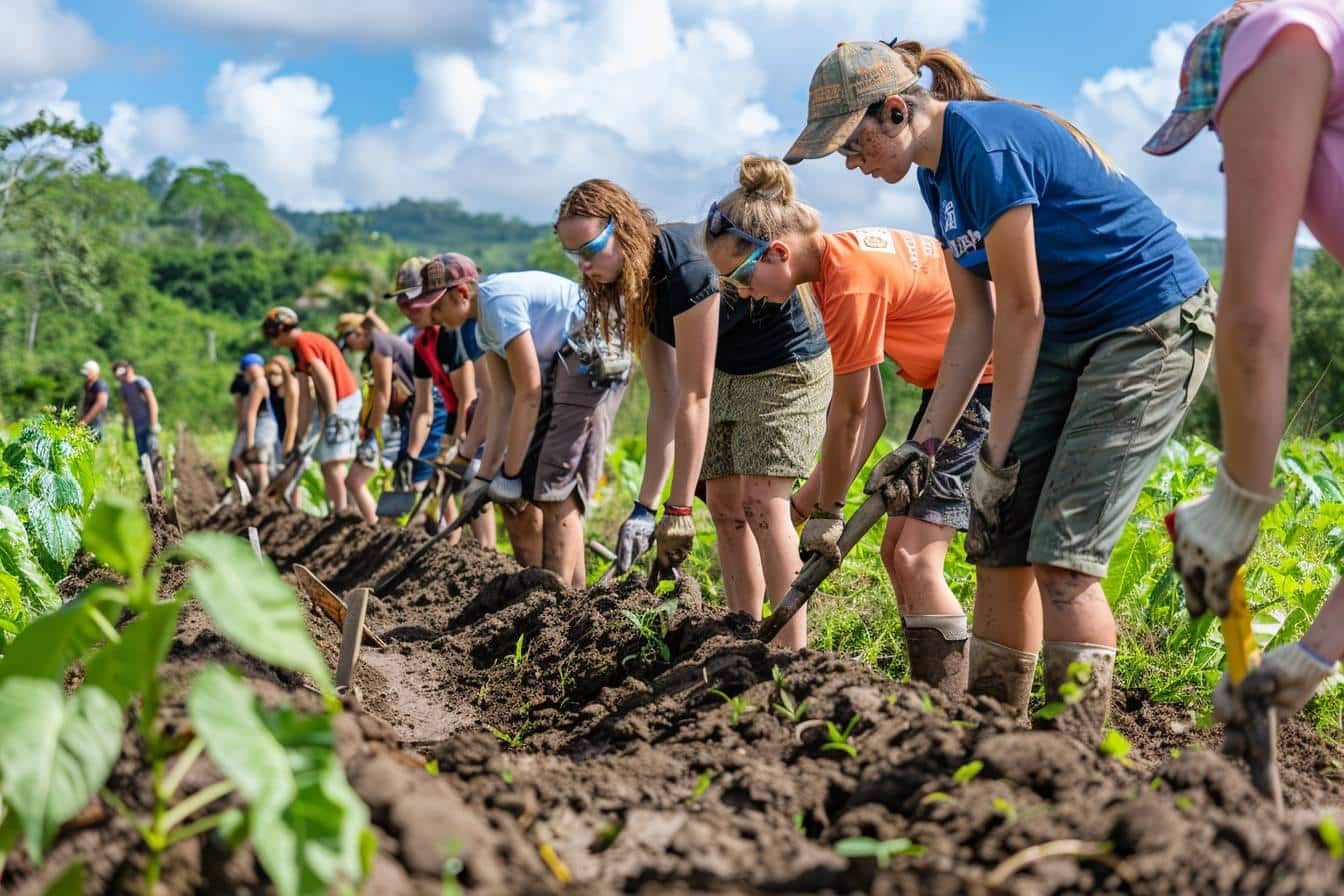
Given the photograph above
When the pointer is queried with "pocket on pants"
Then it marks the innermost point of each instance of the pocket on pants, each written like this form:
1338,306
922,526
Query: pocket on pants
1203,326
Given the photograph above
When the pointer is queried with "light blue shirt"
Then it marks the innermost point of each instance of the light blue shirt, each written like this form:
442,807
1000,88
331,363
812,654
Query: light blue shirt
546,305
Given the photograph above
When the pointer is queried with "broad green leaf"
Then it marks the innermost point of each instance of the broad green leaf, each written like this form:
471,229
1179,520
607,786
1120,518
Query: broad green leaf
124,668
11,597
55,752
17,558
70,883
51,644
856,847
251,604
55,537
67,494
117,533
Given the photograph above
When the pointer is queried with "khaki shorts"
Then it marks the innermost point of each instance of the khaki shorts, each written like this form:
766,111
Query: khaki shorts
569,443
1097,417
769,423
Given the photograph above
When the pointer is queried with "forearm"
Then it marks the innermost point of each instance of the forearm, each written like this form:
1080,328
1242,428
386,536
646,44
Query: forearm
497,430
1017,347
659,434
1326,635
153,411
688,450
1252,348
839,447
522,421
250,418
305,415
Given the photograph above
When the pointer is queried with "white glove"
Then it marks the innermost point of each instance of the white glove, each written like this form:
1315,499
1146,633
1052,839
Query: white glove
1213,536
1286,679
506,491
821,535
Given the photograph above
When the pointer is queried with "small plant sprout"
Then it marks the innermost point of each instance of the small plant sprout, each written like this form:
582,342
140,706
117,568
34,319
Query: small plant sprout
1115,745
787,706
518,655
452,867
937,796
968,772
702,784
652,626
881,850
1070,692
1330,835
838,739
515,741
1006,809
432,766
737,706
798,826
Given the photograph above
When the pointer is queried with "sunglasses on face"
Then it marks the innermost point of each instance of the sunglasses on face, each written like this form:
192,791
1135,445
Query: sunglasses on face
588,250
740,278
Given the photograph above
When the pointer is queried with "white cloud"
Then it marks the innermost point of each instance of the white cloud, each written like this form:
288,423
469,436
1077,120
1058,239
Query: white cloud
416,22
23,101
40,40
1121,110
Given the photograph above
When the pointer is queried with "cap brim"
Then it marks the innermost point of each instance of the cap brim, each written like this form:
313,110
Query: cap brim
423,299
822,137
1178,130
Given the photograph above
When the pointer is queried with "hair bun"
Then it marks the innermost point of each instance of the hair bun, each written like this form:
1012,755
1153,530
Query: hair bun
766,177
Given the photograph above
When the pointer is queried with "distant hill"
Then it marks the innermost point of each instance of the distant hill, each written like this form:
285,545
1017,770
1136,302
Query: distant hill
1211,253
494,241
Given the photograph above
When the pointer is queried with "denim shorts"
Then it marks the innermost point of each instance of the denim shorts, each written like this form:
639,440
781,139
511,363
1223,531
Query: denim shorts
947,500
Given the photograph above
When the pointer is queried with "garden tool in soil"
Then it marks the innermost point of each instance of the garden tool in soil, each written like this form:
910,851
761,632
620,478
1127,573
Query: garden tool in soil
294,464
817,568
402,498
473,502
1255,736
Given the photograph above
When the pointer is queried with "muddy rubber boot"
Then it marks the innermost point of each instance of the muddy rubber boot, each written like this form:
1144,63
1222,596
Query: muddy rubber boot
1003,673
1079,677
937,647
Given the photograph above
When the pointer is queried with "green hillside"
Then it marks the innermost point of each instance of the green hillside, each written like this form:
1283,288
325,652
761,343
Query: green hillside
1211,253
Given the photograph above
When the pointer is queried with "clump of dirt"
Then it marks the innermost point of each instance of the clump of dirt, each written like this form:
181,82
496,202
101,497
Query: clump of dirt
585,734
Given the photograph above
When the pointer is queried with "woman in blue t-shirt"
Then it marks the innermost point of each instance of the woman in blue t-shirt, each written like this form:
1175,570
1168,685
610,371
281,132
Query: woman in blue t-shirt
738,393
1100,321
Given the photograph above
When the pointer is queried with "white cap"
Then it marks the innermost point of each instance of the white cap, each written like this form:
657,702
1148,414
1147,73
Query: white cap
89,366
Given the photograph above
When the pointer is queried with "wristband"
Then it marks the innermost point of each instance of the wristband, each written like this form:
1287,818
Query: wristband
1325,663
931,446
819,514
670,509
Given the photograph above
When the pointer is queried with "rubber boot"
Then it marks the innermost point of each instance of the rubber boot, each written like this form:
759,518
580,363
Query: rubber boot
1079,677
937,648
1003,673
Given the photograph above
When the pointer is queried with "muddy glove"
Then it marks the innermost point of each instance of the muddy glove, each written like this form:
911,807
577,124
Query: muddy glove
675,536
475,496
367,452
404,477
911,464
821,535
507,491
250,456
634,539
991,489
1213,536
1286,679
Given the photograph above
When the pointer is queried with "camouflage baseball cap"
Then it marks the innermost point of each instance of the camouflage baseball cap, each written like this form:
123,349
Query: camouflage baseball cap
1201,74
851,78
407,279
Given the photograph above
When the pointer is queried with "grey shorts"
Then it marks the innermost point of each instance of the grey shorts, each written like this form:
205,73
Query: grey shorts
1097,417
569,443
340,437
769,423
263,441
947,500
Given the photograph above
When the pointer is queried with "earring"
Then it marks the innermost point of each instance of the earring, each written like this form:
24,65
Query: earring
896,116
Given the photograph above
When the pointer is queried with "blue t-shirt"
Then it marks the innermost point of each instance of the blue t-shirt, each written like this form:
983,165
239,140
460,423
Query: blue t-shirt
546,305
1108,257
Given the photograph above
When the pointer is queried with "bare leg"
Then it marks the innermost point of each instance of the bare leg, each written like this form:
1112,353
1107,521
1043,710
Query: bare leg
1008,607
483,527
914,552
739,559
1075,607
562,540
524,528
262,476
333,477
357,484
766,503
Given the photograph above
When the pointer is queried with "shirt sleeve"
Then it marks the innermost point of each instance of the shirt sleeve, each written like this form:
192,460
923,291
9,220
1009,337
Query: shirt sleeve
303,355
1248,43
995,182
690,282
422,371
855,324
144,384
930,192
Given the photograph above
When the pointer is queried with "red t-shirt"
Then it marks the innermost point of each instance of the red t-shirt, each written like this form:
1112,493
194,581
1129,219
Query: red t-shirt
309,347
886,292
432,361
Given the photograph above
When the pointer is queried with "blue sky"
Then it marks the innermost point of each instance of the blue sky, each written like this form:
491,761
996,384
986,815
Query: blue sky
503,105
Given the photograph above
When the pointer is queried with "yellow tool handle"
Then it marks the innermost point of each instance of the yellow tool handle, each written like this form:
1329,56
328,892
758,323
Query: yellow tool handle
1242,653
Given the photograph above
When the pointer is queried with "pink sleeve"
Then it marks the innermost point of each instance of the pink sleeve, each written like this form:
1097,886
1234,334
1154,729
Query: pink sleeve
1259,29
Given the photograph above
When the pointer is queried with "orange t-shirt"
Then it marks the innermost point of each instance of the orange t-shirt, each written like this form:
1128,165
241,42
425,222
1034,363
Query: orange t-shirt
314,346
886,292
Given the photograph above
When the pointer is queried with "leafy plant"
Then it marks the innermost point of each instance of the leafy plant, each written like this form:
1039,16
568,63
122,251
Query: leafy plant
968,772
787,707
737,706
652,626
1115,745
518,653
881,850
1006,809
837,739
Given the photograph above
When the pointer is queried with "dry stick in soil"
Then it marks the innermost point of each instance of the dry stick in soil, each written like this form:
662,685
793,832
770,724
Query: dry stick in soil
356,604
815,570
255,541
1079,849
327,603
147,469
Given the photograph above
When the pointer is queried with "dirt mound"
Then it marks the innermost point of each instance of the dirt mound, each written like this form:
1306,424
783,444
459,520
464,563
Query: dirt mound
591,735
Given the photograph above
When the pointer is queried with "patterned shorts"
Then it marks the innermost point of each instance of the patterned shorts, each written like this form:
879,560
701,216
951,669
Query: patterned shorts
769,423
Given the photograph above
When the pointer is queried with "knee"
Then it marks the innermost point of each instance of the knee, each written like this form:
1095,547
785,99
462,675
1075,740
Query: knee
908,567
727,516
1058,583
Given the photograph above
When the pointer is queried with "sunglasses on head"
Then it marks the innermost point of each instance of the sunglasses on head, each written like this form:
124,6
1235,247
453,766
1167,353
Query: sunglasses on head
588,250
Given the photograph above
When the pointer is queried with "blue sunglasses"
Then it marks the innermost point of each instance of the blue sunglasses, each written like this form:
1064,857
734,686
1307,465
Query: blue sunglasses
716,225
594,245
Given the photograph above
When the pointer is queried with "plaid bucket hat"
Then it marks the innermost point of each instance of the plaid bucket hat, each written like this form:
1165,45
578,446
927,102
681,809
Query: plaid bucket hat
851,78
1201,72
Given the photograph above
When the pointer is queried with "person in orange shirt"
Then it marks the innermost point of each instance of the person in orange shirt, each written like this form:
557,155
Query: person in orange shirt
317,359
879,292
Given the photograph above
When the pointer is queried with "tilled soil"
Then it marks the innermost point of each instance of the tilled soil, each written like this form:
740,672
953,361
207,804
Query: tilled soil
558,732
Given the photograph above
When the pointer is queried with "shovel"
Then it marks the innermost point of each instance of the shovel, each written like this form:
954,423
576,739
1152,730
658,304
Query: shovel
391,579
816,569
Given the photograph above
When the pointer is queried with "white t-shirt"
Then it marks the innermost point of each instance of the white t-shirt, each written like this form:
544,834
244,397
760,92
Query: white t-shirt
546,305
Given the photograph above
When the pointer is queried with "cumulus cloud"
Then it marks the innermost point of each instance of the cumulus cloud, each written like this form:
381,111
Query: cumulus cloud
1124,106
40,40
23,101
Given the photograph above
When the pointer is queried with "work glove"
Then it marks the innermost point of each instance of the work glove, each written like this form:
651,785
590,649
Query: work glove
152,443
634,538
475,496
911,464
155,428
992,488
1212,537
1285,679
460,470
675,536
367,452
404,476
821,535
507,491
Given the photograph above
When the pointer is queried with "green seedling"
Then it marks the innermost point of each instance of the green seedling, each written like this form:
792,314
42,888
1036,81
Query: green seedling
1115,745
1184,803
515,741
968,772
1330,835
737,706
518,653
702,784
452,867
505,775
1157,783
936,797
881,850
838,739
786,707
432,766
1006,809
1070,692
798,826
652,626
